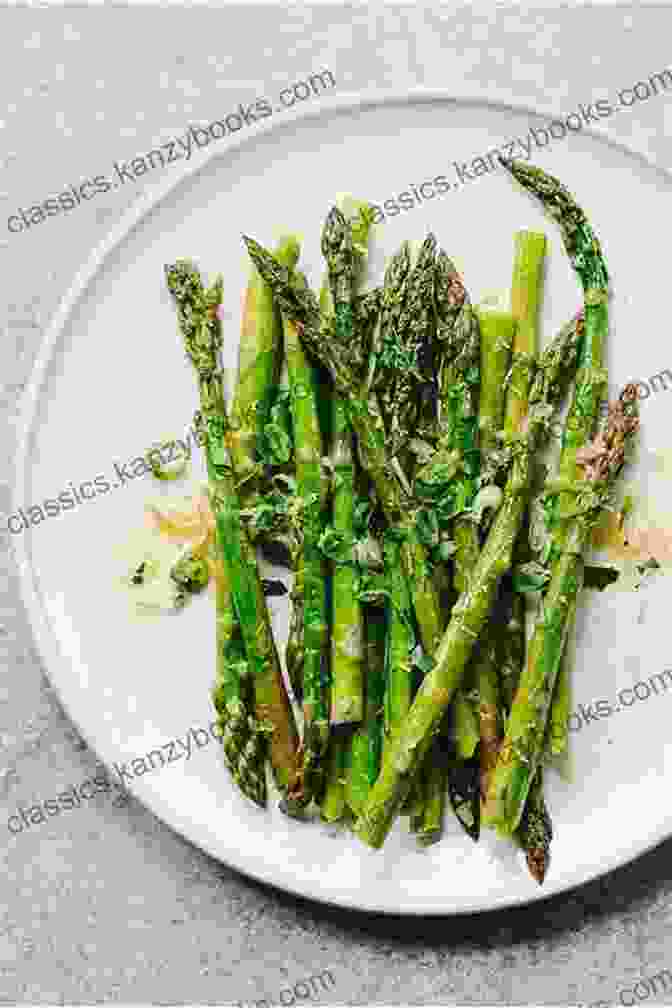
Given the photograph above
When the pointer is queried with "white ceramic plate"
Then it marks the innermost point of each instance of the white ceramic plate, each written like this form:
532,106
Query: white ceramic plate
112,379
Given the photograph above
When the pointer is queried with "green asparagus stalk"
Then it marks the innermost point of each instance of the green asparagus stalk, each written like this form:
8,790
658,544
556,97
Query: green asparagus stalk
234,701
536,830
259,363
526,294
486,667
400,368
312,491
395,368
201,332
586,257
434,771
465,717
391,306
458,345
513,647
512,778
498,333
295,650
416,803
367,739
497,336
558,726
523,325
402,759
401,642
462,726
459,350
259,356
522,748
347,651
344,254
449,478
319,334
332,806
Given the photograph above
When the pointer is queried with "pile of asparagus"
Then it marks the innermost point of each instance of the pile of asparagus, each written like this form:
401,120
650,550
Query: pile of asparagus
384,446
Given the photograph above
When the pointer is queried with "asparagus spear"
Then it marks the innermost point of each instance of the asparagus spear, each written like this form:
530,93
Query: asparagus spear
536,830
402,379
347,650
497,334
401,641
402,348
458,346
295,649
434,773
258,365
558,723
486,666
367,739
312,491
511,781
401,364
344,365
522,747
201,332
449,478
242,740
459,383
526,293
391,305
234,701
259,362
344,254
411,743
332,806
513,647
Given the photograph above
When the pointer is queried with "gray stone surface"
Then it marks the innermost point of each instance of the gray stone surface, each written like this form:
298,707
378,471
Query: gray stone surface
105,903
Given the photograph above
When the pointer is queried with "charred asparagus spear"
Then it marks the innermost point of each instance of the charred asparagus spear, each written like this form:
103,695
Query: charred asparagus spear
526,296
259,357
233,698
201,332
311,566
536,830
520,751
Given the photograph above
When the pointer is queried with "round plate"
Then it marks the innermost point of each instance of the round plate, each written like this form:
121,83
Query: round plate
112,379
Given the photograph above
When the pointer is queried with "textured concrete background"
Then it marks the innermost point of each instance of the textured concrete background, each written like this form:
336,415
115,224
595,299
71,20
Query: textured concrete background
104,903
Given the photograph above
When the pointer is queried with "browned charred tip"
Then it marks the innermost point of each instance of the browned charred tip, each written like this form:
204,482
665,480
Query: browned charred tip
537,863
605,454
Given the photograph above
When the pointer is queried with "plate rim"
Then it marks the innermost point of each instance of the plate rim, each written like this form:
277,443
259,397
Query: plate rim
43,636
